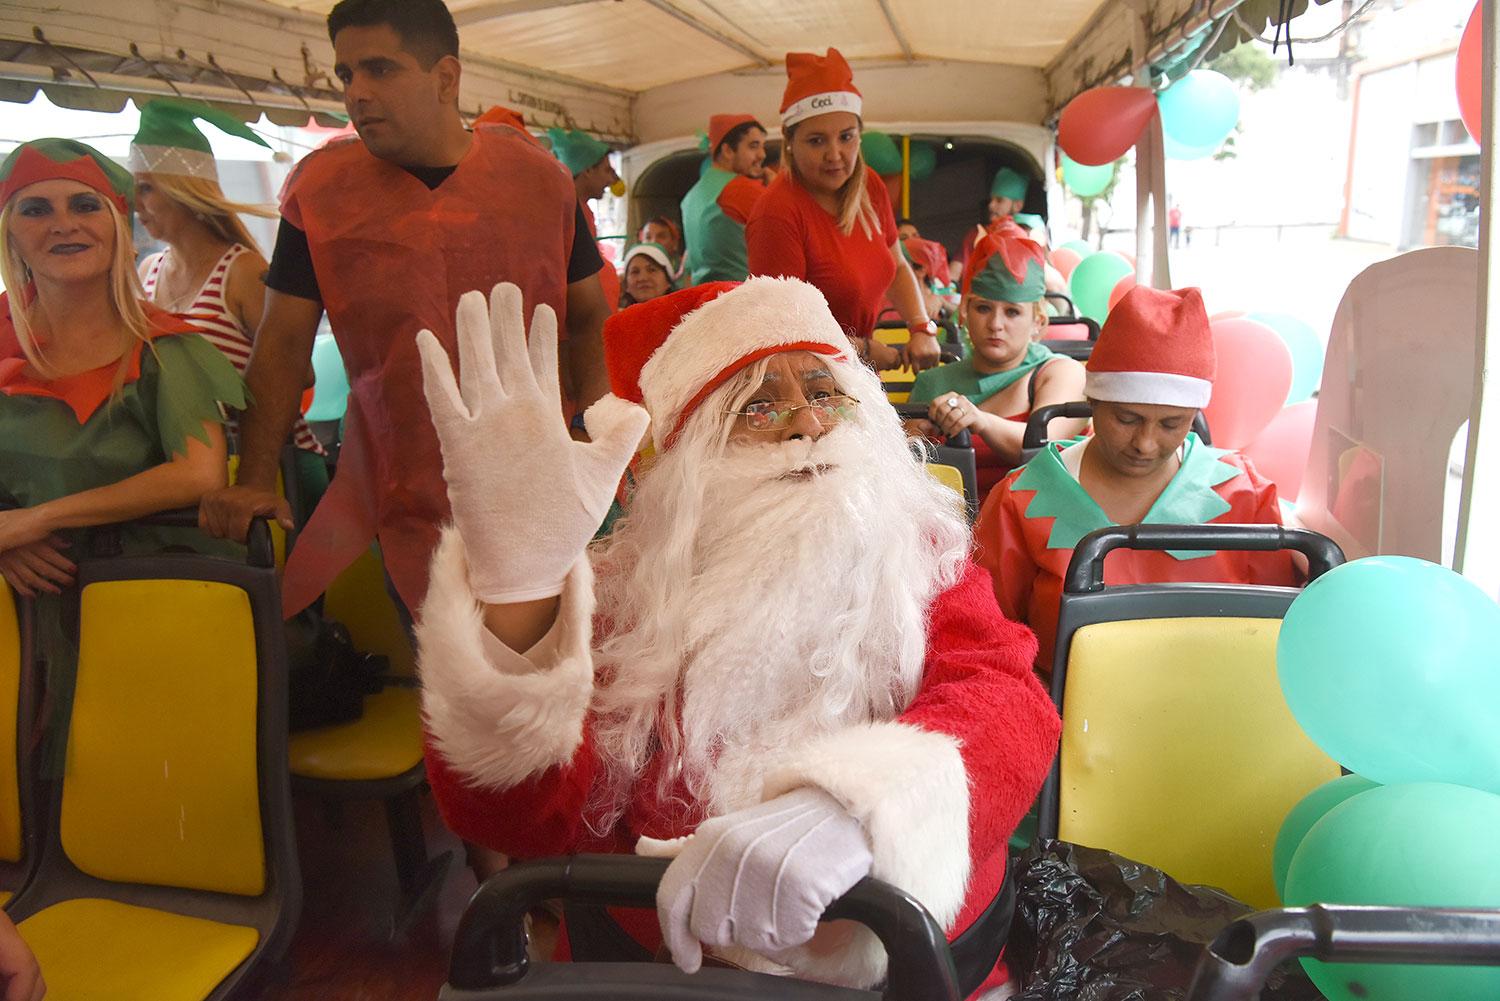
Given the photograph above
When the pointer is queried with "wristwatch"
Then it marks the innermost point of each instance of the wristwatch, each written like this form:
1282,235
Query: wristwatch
923,327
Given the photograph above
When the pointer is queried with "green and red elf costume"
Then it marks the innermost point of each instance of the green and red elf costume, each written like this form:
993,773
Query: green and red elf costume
1155,349
1006,268
64,435
715,210
578,151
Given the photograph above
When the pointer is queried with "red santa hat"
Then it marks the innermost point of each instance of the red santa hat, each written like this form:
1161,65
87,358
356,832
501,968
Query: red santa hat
1155,348
720,126
670,353
817,85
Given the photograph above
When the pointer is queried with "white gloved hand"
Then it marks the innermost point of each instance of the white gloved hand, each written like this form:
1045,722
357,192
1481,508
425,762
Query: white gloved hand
526,497
758,878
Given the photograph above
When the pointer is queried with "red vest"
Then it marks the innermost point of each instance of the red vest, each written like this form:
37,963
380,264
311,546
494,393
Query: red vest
392,258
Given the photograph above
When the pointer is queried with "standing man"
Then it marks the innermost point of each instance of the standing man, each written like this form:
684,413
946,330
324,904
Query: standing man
587,159
385,232
715,209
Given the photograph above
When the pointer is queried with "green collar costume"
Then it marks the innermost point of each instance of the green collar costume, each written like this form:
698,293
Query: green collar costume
962,378
1189,499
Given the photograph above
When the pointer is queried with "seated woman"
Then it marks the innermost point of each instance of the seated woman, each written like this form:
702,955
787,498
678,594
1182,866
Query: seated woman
667,235
110,409
1150,372
211,270
1008,373
648,274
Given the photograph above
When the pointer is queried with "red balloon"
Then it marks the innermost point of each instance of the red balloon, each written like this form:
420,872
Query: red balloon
1100,125
1280,451
1065,259
1226,314
1254,376
1121,287
1469,71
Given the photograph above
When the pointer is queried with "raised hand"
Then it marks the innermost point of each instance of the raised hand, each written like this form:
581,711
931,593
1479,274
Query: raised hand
526,497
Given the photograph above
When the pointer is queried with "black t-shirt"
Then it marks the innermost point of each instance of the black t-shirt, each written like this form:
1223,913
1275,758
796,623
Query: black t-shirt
292,273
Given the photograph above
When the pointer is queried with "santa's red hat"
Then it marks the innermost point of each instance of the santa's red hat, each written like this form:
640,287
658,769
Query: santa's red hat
1155,348
670,353
720,126
817,85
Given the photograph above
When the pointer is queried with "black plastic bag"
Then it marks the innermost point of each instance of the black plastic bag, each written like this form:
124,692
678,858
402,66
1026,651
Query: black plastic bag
1095,926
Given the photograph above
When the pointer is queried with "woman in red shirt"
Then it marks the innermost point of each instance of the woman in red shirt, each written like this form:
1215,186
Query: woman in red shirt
827,218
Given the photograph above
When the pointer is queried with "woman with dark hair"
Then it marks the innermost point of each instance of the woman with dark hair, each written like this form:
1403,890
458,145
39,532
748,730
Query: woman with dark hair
648,274
827,218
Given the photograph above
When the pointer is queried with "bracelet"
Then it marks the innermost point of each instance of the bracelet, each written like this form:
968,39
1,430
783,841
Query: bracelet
926,326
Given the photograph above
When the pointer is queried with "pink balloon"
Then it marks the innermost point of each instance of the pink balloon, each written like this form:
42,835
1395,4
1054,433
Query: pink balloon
1101,125
1065,260
1121,287
1280,451
1226,314
1128,258
1467,72
1254,376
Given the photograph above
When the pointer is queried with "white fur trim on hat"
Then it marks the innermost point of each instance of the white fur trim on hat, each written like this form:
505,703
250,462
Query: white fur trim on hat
1161,388
909,790
761,315
821,104
650,250
171,160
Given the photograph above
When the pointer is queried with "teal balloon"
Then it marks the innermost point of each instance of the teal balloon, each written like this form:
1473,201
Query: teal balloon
331,385
1200,110
1179,151
1307,353
923,161
1422,844
1392,666
1308,811
881,153
1085,182
1092,281
1079,247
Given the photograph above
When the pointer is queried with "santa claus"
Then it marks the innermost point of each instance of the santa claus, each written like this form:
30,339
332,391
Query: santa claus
780,667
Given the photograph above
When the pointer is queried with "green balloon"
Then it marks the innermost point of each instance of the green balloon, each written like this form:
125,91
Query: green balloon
1085,182
1421,844
881,153
1307,353
1304,815
331,385
1092,281
1079,247
923,161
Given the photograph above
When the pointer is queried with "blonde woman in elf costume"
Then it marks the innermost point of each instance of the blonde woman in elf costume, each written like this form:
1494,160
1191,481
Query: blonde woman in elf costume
1009,373
827,219
1151,371
587,160
211,271
109,407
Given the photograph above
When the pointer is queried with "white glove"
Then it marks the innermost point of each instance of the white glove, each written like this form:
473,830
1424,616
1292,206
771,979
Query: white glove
526,497
758,878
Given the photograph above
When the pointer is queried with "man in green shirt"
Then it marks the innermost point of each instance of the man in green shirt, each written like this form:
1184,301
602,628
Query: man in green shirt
716,208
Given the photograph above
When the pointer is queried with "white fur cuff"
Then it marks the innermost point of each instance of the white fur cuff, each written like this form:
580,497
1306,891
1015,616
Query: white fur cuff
910,790
495,715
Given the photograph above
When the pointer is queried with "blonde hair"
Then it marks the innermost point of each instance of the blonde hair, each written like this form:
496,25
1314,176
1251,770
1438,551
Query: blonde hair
854,204
203,197
125,295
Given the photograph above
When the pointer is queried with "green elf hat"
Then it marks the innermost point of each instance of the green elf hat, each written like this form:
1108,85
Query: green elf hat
51,159
1007,267
168,141
578,151
1009,184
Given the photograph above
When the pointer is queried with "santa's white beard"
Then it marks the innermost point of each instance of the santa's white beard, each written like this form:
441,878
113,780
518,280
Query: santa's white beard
753,604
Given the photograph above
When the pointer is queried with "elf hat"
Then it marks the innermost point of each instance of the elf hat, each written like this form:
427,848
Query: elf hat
499,114
578,151
51,159
670,353
816,85
1009,184
1155,348
169,142
720,126
654,251
1007,266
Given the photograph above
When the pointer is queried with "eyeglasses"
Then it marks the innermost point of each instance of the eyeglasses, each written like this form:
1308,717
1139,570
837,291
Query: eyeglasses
775,416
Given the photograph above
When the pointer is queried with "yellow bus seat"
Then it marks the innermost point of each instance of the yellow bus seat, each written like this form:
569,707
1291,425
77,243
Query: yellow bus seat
898,395
1177,747
91,948
894,336
10,705
278,534
379,755
168,867
948,476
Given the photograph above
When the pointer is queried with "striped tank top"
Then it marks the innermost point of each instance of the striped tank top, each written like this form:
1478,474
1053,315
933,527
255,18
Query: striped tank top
210,313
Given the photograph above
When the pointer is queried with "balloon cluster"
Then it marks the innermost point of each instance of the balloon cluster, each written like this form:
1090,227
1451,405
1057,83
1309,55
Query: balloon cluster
1099,126
883,154
1392,666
